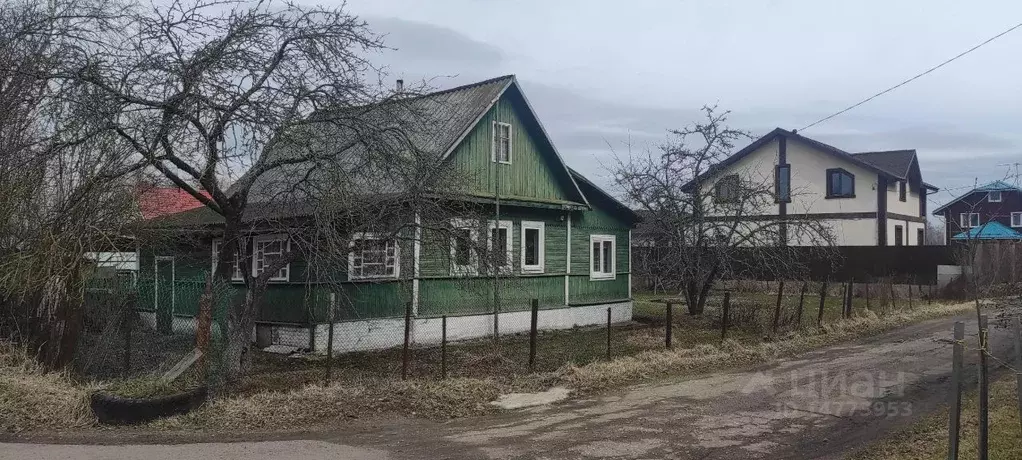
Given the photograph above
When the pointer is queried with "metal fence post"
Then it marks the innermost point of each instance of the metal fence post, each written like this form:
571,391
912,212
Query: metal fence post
725,315
984,391
670,323
408,333
777,307
955,416
823,299
608,333
443,347
532,335
910,297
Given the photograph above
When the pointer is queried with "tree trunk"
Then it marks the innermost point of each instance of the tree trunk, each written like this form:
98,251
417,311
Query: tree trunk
58,322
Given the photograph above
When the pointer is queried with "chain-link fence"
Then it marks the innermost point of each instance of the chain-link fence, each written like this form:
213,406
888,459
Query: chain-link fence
152,327
139,327
542,335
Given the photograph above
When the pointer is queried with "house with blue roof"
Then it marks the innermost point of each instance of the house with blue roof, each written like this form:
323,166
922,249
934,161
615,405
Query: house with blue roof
990,212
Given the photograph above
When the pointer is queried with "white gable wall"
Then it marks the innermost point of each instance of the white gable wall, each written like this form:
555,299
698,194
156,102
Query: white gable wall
909,207
809,190
809,183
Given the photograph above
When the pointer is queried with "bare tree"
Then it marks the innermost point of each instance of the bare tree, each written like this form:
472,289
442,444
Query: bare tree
66,183
264,112
697,232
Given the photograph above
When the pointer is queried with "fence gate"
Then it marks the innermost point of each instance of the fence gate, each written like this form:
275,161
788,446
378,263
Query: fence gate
163,287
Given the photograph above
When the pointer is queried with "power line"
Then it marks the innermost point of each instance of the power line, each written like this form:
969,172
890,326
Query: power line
899,85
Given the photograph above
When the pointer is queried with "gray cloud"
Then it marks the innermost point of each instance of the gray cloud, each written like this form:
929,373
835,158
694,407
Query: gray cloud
664,60
429,50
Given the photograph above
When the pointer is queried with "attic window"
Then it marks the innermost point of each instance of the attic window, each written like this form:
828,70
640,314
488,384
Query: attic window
502,142
726,189
994,196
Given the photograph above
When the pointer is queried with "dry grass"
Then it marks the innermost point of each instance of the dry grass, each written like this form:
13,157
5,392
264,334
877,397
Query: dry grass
34,400
317,405
290,394
928,439
654,364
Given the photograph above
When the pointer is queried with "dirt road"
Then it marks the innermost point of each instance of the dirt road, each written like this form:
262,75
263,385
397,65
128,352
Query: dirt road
823,404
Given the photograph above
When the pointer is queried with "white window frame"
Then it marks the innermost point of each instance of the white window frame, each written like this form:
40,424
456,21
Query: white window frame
473,232
990,196
285,247
600,274
364,236
1019,216
236,274
965,219
540,266
509,244
510,142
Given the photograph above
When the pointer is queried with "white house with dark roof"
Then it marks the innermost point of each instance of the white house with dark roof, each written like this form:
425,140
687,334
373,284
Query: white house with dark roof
864,199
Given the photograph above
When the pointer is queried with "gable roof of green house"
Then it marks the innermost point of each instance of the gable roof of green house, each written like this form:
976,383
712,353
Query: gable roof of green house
456,125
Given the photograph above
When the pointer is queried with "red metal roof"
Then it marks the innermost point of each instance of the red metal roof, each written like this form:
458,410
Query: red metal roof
161,201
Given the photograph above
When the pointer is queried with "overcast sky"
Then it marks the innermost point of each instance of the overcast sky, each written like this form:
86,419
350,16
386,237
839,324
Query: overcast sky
600,72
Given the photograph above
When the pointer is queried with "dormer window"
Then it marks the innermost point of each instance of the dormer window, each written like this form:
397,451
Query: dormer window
994,196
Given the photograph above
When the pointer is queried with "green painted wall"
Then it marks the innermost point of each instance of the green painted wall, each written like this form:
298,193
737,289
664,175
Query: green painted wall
531,174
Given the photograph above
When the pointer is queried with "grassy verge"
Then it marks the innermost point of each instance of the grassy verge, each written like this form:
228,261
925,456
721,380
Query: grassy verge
928,439
31,399
289,393
315,404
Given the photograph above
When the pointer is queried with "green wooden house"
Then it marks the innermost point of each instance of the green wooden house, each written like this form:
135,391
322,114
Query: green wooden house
567,243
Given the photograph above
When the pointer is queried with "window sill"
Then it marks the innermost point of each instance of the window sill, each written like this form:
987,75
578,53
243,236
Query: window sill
835,197
373,278
532,271
601,277
502,162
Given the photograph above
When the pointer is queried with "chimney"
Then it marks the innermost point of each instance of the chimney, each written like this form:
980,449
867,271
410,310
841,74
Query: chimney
400,86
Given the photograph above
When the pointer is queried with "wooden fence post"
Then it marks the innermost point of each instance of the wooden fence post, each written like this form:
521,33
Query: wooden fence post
330,342
801,301
955,396
725,315
408,336
1018,365
777,307
443,347
868,285
823,299
984,392
608,333
670,323
532,335
844,301
851,294
910,297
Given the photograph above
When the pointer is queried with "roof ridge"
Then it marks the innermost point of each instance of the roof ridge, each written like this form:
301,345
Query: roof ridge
460,87
884,151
